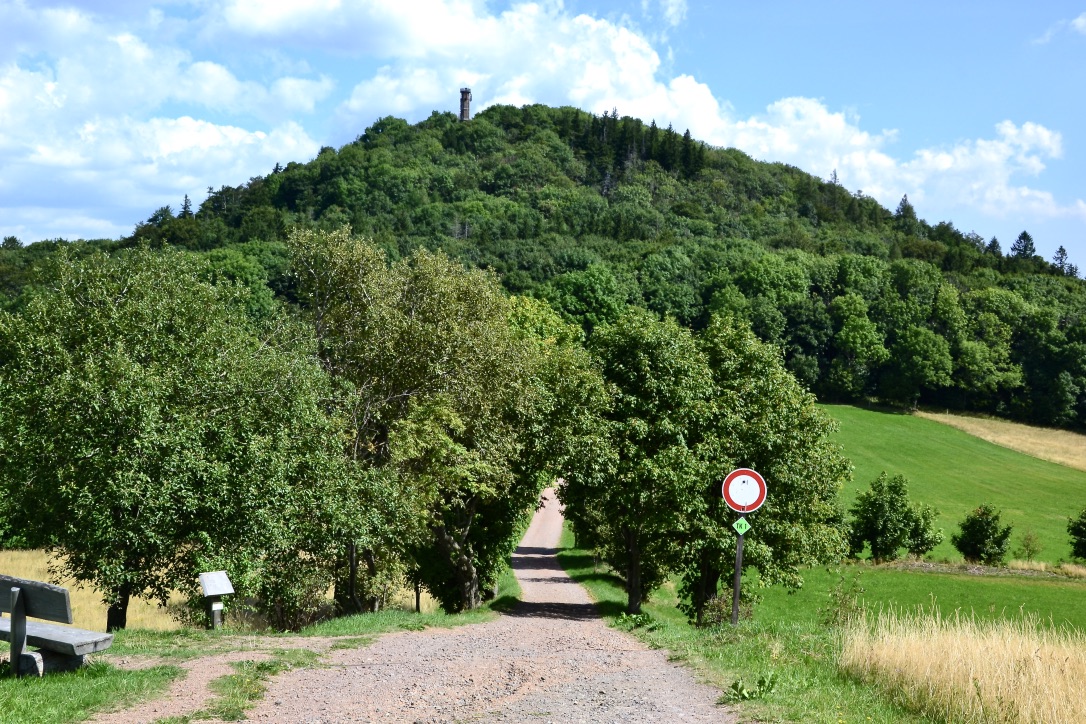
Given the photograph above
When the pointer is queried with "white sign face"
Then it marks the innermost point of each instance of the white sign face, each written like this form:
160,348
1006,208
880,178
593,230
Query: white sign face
745,490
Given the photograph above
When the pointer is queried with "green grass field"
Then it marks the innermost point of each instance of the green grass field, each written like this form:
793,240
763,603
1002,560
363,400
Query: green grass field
1050,600
956,472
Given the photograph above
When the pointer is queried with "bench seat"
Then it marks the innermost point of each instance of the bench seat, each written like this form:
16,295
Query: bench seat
60,639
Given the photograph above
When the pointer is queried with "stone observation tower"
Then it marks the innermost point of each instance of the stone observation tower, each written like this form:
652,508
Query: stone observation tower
465,104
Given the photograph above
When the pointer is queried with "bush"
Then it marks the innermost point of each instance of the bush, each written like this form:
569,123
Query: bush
885,520
1076,528
981,539
1029,545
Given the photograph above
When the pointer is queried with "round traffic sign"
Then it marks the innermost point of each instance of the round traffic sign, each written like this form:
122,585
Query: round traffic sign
744,490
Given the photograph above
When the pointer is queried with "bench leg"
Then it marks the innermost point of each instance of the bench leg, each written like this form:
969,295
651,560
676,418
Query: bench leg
18,630
31,664
37,663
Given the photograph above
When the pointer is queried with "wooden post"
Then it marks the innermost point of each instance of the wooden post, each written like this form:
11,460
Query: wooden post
18,629
214,612
738,577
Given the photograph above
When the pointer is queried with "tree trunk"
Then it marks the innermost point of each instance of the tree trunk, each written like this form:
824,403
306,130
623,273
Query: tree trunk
373,603
345,587
633,574
467,578
117,613
708,580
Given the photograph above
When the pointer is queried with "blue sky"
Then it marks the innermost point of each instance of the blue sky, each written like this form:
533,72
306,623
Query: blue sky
109,110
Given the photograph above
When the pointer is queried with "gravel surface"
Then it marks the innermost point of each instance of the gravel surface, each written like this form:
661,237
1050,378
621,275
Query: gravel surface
552,659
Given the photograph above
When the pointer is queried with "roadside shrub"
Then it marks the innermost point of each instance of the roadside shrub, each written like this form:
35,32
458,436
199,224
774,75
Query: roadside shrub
1076,528
885,519
981,539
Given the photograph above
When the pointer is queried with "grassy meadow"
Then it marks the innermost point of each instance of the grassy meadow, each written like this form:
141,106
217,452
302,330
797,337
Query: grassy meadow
1058,446
955,472
88,611
788,662
909,642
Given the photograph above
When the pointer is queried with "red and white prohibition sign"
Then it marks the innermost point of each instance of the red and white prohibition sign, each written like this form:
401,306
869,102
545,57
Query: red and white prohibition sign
744,490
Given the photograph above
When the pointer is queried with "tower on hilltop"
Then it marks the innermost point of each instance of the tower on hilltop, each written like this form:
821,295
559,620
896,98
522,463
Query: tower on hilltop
465,104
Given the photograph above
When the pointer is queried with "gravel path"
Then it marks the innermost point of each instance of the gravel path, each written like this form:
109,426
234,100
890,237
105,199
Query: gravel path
551,660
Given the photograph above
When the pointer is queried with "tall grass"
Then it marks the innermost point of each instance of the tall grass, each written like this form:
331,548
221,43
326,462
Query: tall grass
1058,446
87,608
961,668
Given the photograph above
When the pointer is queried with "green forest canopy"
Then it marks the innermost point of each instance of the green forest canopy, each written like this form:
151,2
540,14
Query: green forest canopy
455,402
594,213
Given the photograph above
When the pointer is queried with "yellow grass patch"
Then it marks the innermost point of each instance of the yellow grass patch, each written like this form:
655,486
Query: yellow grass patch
1073,570
1019,565
87,608
1057,446
961,669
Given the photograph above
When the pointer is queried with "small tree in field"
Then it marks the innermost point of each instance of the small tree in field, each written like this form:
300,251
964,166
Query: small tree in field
885,519
1029,545
1076,528
981,539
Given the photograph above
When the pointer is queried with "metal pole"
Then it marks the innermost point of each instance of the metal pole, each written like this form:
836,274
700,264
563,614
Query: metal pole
738,577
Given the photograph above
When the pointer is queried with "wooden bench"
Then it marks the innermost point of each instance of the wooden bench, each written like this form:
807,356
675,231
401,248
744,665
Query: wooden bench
61,647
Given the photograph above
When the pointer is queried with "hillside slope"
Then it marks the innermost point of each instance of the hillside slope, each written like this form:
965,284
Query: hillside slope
956,472
597,212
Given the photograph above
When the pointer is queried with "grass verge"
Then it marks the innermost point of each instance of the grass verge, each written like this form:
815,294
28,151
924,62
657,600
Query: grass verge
75,696
101,686
776,668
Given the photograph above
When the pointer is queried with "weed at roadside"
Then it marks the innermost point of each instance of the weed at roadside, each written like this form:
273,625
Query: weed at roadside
799,652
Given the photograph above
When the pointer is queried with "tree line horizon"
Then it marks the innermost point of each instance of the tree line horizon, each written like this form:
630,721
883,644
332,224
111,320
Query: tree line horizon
361,371
594,213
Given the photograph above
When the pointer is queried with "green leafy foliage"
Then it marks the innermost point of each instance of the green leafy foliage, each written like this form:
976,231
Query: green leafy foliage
884,519
1076,528
635,493
980,538
738,691
462,400
150,428
597,212
758,416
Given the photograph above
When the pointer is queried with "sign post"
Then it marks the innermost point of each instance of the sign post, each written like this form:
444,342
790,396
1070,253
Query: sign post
215,585
744,491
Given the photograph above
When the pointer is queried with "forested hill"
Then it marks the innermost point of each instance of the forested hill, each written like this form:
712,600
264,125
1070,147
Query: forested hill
596,213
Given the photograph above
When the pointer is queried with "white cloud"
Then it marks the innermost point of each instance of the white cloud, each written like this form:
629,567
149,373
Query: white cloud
129,166
100,122
539,53
119,117
674,11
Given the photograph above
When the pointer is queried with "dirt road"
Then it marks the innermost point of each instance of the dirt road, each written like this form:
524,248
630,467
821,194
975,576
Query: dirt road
551,660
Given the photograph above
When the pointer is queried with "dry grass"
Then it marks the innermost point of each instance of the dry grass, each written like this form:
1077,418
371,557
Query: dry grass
962,669
1019,565
1072,570
87,608
1057,446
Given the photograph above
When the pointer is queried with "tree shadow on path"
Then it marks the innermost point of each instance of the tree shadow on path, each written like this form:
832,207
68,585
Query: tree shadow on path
534,564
